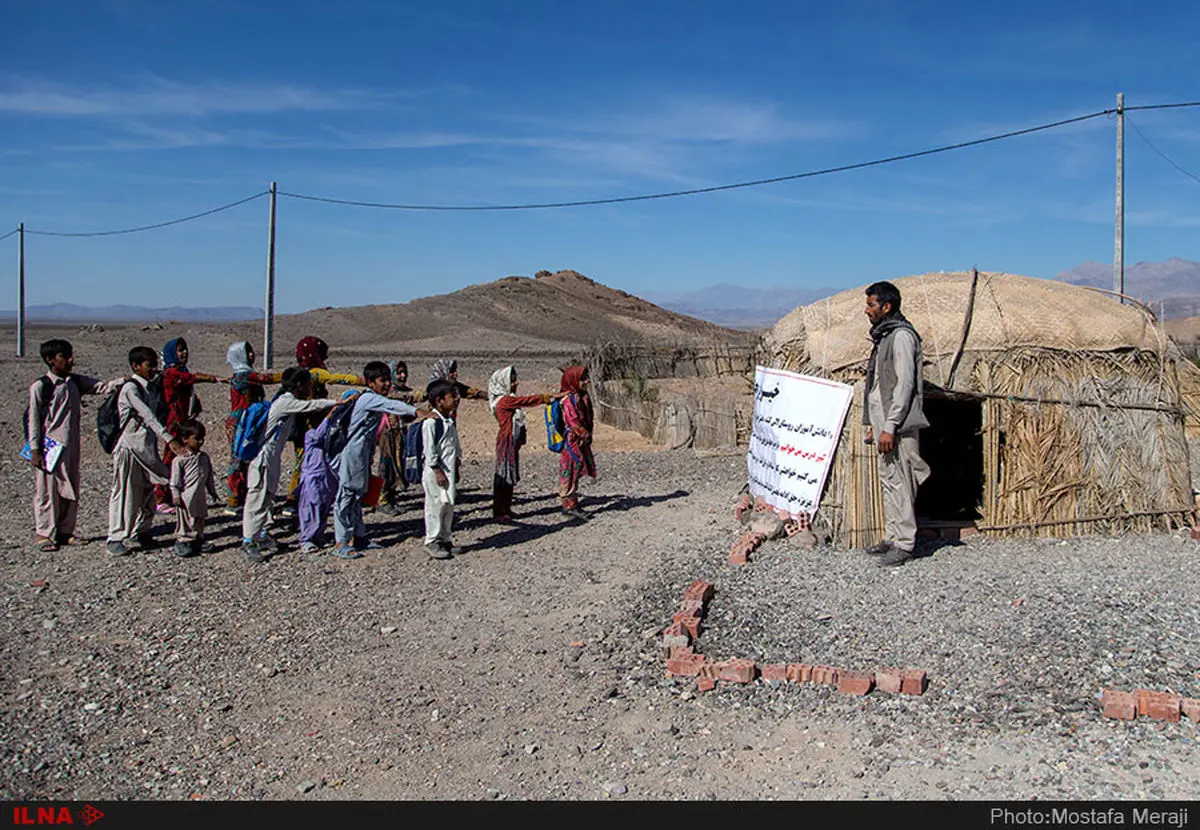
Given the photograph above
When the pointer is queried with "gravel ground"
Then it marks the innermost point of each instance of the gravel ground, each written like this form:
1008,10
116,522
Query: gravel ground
528,668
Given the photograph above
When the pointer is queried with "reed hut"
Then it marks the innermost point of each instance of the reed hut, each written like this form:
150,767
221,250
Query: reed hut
1055,410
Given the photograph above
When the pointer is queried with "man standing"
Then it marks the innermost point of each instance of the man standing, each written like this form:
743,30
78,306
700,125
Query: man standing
893,413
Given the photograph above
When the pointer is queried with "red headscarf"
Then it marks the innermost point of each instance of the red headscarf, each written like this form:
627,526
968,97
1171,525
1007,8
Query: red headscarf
572,377
310,353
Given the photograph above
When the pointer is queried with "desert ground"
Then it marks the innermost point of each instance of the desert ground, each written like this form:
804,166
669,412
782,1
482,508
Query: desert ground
529,666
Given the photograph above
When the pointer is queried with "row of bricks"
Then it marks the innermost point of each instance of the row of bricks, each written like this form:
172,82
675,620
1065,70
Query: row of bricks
685,624
684,662
760,505
1147,703
739,553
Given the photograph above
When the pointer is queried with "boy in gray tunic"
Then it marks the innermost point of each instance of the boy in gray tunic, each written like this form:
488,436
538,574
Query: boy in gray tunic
191,481
353,464
893,412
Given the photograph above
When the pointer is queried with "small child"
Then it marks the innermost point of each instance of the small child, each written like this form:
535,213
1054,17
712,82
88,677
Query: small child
262,476
136,465
441,454
54,413
576,459
191,479
354,463
182,404
317,489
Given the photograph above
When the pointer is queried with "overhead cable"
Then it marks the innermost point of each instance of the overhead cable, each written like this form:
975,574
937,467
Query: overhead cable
157,224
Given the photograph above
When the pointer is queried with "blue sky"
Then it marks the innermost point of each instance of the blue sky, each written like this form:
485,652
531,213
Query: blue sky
119,113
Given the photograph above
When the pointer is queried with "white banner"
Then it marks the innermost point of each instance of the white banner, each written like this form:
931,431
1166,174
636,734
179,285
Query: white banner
797,423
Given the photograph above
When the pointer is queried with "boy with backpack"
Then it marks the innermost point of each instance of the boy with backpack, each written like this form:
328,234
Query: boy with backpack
441,455
54,413
262,475
136,465
353,461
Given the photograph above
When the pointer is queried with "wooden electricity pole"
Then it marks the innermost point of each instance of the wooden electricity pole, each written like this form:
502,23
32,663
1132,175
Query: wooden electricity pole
1119,227
21,290
269,322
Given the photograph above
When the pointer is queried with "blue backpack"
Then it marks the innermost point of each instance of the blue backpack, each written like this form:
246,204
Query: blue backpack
556,426
251,432
414,455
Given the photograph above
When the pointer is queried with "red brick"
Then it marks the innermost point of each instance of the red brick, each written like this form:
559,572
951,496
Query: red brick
680,651
737,556
675,635
889,680
783,514
799,672
913,682
705,684
855,682
692,627
710,669
1159,705
692,605
737,671
1118,705
825,674
761,506
968,532
1196,533
775,671
699,590
688,666
1190,706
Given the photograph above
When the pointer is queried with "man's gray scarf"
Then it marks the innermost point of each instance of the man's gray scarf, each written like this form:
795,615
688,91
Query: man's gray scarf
879,331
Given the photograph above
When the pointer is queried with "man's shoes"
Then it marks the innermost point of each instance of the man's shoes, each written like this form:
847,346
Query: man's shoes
118,549
251,552
204,547
879,548
389,509
184,549
895,558
437,550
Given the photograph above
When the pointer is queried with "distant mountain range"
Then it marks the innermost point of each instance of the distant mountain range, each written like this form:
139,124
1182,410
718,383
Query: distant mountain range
70,312
1174,283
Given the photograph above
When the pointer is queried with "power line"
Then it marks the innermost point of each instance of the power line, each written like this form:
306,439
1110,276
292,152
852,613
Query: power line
156,225
1165,157
10,233
756,183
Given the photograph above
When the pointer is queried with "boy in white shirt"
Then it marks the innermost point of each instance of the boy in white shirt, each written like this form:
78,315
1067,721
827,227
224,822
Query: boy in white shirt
441,455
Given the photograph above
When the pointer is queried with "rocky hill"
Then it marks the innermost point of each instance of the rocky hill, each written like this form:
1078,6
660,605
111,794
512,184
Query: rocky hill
551,312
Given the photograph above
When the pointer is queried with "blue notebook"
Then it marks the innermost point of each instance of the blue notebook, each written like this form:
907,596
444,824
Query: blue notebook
51,452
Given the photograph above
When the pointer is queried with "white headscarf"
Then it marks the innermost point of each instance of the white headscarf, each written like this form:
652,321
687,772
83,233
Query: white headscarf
235,356
499,385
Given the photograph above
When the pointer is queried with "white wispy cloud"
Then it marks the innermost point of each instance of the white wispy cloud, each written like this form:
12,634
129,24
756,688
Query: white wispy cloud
155,96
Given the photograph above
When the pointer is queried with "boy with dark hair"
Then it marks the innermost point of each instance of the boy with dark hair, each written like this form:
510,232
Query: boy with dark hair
191,480
54,414
136,465
353,464
442,454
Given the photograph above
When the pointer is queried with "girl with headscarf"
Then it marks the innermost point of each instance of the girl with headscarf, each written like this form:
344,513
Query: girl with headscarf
576,459
507,406
447,369
311,354
245,385
182,404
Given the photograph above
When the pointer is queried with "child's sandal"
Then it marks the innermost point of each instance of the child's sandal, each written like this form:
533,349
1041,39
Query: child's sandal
46,545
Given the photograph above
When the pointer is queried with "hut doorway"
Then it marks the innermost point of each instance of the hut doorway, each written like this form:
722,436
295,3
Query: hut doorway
952,445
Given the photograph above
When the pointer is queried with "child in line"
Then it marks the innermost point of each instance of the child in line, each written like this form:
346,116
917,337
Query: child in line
191,480
182,404
136,465
245,386
391,443
447,369
441,456
318,487
54,412
506,406
576,459
353,465
262,476
311,354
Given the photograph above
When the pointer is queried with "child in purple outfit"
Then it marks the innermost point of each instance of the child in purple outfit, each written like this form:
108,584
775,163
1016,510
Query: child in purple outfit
317,488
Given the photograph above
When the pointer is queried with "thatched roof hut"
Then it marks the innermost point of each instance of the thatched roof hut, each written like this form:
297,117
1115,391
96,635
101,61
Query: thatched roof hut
1056,410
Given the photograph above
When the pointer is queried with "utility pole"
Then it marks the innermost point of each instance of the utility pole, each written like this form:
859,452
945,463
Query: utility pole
21,290
269,322
1119,227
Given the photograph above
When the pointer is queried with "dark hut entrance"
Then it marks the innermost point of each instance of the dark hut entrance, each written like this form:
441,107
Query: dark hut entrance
952,445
